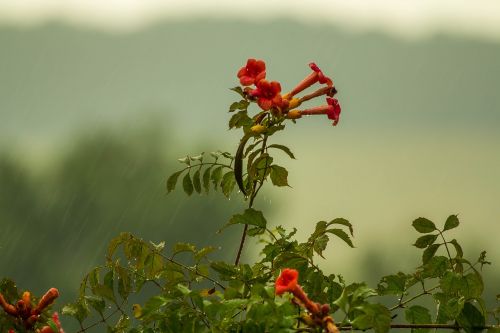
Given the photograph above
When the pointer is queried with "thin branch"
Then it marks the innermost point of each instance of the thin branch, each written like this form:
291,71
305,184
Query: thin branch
402,304
425,326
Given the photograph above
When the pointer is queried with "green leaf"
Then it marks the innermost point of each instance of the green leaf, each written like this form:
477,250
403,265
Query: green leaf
471,318
154,304
227,184
261,167
451,222
424,241
216,176
187,184
78,310
183,247
284,149
424,225
279,175
241,105
436,267
342,235
429,253
96,302
320,244
224,268
172,181
197,181
393,284
206,179
240,119
374,316
342,221
250,217
239,91
417,314
458,248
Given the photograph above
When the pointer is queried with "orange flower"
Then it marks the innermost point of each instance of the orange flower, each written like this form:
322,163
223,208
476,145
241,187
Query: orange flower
332,110
287,281
253,72
267,94
316,76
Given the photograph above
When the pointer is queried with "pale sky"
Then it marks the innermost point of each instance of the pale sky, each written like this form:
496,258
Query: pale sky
409,18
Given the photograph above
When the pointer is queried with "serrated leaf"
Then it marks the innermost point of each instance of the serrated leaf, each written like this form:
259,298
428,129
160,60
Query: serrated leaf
429,252
417,314
183,247
374,316
241,105
172,181
239,91
224,268
249,217
227,184
240,119
470,319
451,222
261,167
285,149
424,241
436,267
320,244
216,176
206,179
197,181
279,175
342,221
187,184
393,284
97,303
342,235
424,225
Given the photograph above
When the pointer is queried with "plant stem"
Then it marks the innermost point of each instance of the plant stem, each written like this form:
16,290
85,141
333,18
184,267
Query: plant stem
250,204
402,304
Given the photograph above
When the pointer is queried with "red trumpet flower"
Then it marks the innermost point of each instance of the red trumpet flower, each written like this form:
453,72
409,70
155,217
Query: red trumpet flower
253,72
316,76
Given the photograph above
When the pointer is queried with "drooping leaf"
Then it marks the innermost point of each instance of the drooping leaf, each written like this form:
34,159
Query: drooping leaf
424,225
342,235
206,179
285,149
458,248
227,184
187,184
197,181
429,252
172,181
216,176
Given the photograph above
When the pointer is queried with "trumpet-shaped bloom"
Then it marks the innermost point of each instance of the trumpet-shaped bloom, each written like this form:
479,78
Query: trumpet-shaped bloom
287,281
253,72
332,110
267,94
316,76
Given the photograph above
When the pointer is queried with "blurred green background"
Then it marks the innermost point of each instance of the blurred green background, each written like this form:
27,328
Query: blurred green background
92,122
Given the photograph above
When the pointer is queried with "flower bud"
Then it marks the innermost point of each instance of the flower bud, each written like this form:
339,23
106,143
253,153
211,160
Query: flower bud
46,300
294,114
258,129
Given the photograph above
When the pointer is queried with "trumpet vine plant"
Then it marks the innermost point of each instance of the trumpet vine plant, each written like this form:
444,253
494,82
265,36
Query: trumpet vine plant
284,290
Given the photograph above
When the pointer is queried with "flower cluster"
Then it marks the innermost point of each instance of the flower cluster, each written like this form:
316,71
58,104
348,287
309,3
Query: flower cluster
267,94
287,281
25,313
